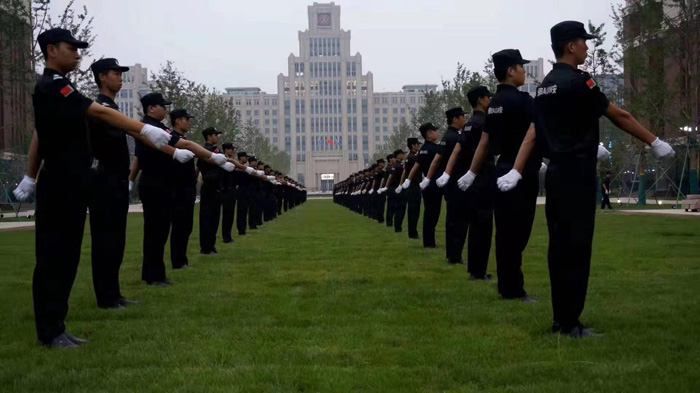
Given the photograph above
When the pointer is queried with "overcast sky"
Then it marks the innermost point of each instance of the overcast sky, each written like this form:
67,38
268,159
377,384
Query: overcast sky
229,43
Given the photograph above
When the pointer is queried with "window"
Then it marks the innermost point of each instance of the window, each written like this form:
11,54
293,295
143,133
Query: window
257,112
394,100
413,100
385,120
267,112
395,110
385,111
376,110
403,110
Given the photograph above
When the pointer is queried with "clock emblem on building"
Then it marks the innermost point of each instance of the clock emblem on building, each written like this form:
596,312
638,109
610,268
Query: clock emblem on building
324,20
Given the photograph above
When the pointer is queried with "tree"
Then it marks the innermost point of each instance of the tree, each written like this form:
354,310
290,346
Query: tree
397,140
253,142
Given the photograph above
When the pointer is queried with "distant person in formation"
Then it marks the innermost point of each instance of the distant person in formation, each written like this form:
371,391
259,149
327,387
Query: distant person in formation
568,107
605,191
229,183
395,188
432,195
412,190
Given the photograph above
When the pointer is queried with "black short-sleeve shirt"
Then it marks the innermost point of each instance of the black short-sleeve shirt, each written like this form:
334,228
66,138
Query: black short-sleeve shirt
468,142
211,173
509,117
109,143
447,145
60,116
184,174
396,173
569,104
425,157
155,164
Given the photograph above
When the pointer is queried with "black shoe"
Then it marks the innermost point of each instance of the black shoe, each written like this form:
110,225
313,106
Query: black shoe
159,283
576,332
212,252
430,246
228,241
460,262
253,228
486,277
242,234
390,224
528,299
398,230
126,303
76,340
117,306
61,342
414,237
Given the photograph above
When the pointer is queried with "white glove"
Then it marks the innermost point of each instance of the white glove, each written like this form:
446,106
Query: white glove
271,178
380,191
159,137
182,155
508,181
398,190
543,167
424,183
218,159
25,189
466,181
371,191
131,185
228,167
442,180
661,149
249,170
364,192
260,173
603,153
406,184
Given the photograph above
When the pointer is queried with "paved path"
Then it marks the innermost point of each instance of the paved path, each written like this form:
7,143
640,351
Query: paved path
25,225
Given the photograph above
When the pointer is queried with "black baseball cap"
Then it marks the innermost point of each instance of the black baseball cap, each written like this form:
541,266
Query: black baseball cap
210,131
567,31
228,146
507,58
56,35
390,156
179,114
477,92
427,127
454,112
103,65
381,161
398,151
412,141
252,158
153,99
242,154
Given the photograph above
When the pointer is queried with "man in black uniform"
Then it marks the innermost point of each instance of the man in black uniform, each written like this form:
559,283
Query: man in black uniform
454,241
605,191
109,203
432,196
394,188
568,107
390,201
412,190
209,194
379,198
254,201
61,113
473,209
184,193
510,116
243,197
229,182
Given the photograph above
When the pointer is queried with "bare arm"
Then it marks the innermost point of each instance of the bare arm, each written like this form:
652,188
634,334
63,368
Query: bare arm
627,123
480,155
453,159
134,169
33,159
434,166
526,149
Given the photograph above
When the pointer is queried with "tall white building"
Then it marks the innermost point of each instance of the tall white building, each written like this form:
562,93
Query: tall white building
326,114
134,85
535,75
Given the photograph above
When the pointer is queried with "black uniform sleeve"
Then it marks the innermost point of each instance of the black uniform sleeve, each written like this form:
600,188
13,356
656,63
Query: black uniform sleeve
595,98
72,101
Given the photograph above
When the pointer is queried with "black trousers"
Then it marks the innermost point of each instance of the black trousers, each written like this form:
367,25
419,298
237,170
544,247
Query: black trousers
182,217
280,202
209,215
109,207
155,197
470,213
432,200
390,207
243,199
381,203
254,210
606,201
413,196
570,236
228,204
399,209
514,212
60,222
268,207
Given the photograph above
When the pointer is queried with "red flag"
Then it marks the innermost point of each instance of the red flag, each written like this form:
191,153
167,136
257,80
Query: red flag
330,141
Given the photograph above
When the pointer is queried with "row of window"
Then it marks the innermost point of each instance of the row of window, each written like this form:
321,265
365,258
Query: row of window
326,46
256,102
397,100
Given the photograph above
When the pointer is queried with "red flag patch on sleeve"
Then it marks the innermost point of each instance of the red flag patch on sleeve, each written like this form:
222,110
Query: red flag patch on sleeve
590,83
66,91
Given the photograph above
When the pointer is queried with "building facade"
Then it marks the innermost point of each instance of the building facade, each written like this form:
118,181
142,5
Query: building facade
325,114
535,75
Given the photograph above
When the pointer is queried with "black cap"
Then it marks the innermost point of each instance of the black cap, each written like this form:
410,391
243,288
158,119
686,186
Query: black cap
507,58
427,127
228,146
454,112
412,141
381,161
56,35
398,151
267,166
179,114
242,154
210,131
153,99
567,31
475,93
104,65
252,158
390,156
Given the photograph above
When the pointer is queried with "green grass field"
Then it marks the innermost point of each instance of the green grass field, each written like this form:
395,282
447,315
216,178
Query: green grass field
324,300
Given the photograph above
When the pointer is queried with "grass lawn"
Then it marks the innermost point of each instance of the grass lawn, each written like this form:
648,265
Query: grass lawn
324,300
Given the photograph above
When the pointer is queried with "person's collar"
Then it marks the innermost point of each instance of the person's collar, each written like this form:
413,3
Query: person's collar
564,66
505,86
106,97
